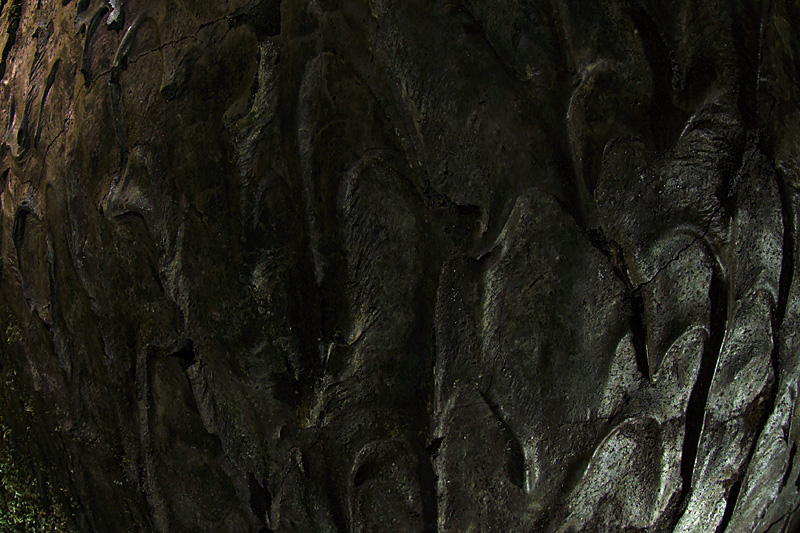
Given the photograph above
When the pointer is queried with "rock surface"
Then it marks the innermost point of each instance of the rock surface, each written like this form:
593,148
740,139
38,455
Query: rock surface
350,265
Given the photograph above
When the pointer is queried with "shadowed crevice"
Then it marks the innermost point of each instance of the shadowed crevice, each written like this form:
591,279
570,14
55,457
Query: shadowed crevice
695,410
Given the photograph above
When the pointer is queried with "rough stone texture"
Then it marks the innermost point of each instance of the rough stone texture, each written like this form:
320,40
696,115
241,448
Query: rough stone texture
350,265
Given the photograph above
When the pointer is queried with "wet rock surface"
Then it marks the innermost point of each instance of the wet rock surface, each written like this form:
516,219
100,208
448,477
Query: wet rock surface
338,265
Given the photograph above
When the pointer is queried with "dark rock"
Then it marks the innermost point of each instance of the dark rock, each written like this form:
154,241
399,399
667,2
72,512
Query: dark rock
333,265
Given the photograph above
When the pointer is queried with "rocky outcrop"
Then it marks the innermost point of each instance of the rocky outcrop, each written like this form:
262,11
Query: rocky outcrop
339,265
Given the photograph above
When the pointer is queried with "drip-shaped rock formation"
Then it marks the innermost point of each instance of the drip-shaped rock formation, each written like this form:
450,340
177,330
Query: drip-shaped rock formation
350,265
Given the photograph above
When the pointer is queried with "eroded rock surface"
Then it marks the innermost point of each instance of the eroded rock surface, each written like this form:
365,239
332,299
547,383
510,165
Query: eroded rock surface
349,265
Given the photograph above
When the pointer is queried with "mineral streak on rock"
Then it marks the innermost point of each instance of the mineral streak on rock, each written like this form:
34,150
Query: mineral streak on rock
341,265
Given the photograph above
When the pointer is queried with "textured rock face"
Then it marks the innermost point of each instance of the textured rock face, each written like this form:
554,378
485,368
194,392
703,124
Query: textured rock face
349,265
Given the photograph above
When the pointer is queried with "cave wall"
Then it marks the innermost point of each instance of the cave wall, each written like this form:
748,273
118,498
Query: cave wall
350,265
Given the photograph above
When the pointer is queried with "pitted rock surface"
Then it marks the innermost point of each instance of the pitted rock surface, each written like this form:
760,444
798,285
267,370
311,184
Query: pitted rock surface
350,265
